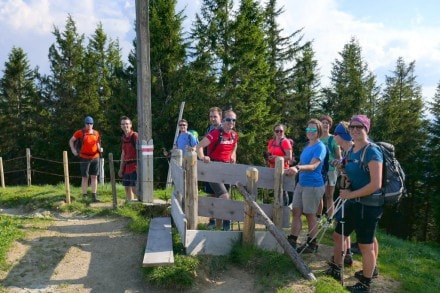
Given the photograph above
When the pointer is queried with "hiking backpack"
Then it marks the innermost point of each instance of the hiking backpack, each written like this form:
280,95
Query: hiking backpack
220,138
393,176
325,164
292,144
78,143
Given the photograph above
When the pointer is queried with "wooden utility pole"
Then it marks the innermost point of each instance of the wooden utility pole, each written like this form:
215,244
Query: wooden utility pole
145,141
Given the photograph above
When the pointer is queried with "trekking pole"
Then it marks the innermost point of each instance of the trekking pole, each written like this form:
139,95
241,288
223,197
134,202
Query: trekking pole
342,243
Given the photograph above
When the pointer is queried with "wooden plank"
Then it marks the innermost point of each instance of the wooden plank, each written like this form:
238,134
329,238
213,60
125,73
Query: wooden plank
178,176
159,250
231,173
179,218
218,208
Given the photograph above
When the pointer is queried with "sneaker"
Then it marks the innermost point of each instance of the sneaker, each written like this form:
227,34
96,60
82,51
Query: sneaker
334,271
308,248
211,225
226,225
360,274
348,259
358,287
292,241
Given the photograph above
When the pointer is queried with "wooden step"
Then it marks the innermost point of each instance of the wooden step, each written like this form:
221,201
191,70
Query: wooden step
159,250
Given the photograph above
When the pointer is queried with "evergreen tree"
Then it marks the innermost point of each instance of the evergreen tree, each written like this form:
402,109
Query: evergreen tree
67,83
352,87
400,121
283,52
19,105
304,97
248,82
432,185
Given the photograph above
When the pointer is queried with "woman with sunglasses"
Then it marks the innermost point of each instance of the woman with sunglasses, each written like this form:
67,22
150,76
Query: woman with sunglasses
279,146
310,187
365,204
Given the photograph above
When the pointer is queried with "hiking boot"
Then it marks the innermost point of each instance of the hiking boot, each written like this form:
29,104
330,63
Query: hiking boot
360,274
358,288
226,225
310,247
334,271
84,195
95,197
348,259
292,240
211,225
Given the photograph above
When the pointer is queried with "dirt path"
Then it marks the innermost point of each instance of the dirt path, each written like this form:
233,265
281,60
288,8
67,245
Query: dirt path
79,254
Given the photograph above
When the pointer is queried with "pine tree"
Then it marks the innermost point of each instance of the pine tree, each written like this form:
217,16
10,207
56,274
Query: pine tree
400,121
352,87
19,105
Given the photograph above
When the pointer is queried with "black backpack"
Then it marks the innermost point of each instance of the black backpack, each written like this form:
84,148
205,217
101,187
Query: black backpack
393,176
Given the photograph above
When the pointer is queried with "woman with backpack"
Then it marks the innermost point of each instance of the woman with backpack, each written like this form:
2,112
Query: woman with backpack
280,146
364,207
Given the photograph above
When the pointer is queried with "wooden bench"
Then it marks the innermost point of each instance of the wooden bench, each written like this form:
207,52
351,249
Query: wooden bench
159,250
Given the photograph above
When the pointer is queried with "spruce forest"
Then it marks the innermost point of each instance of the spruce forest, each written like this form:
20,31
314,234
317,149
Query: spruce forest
239,59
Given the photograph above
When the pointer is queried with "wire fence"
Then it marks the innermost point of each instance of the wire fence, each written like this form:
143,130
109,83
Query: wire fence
25,169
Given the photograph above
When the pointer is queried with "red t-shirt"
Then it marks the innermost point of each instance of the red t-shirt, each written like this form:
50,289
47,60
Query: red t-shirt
130,153
89,149
223,149
274,148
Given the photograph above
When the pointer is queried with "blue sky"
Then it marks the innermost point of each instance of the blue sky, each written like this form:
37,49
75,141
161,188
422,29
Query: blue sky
385,29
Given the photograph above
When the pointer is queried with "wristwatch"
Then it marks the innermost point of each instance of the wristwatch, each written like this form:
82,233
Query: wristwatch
297,168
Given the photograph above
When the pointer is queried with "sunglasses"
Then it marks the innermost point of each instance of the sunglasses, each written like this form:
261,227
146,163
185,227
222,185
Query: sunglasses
182,124
89,123
278,131
311,129
355,127
229,119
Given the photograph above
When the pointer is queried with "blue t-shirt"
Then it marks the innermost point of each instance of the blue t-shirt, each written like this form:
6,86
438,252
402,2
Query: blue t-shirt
312,178
186,139
355,172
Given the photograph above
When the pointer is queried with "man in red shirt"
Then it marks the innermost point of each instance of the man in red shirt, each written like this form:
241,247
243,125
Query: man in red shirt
88,156
128,166
222,147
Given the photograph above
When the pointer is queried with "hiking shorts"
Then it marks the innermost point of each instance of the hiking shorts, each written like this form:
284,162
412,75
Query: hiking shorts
362,219
89,167
307,198
129,179
218,188
331,178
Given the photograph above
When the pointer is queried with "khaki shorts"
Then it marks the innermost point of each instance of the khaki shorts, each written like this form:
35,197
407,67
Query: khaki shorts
332,176
307,198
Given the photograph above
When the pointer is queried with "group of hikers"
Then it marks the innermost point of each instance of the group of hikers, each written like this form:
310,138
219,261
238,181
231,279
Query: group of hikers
321,162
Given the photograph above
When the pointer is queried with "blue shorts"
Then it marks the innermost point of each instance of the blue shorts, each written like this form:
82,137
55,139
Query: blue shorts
362,219
129,179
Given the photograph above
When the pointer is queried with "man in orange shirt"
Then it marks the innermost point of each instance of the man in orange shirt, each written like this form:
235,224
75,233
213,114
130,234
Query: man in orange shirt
88,155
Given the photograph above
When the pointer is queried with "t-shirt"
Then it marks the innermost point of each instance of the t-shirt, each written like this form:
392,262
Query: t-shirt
223,149
355,172
89,149
274,148
332,151
186,139
312,178
130,153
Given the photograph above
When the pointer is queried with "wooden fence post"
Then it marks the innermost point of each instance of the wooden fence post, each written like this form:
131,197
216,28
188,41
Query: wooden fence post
28,166
66,176
278,192
2,173
191,189
249,212
112,179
